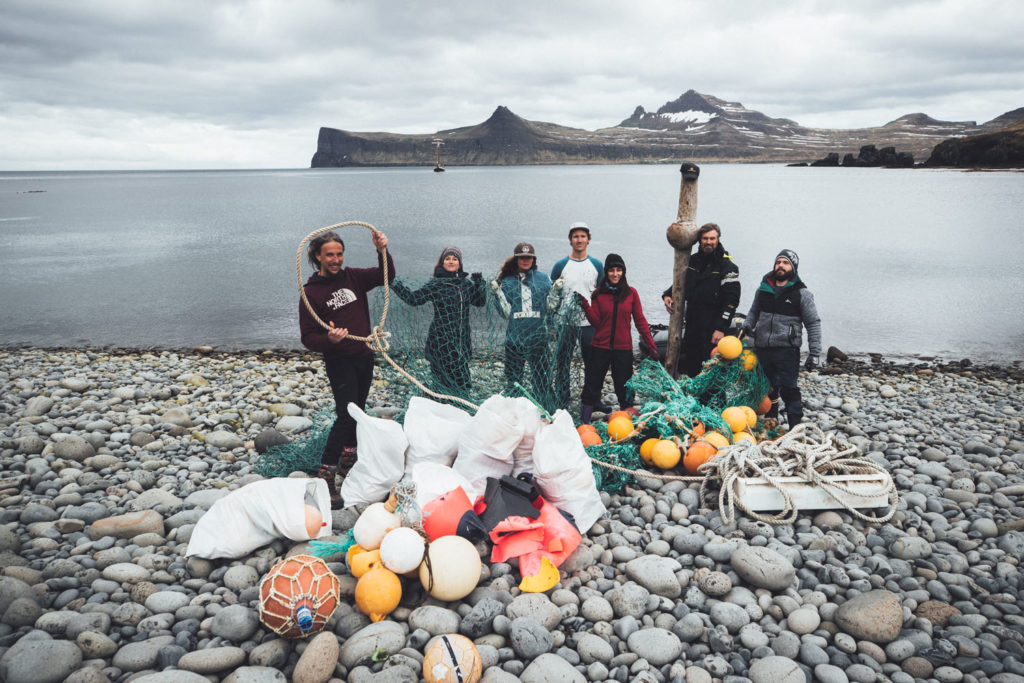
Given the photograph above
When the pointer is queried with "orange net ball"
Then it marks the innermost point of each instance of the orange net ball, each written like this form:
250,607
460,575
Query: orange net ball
298,596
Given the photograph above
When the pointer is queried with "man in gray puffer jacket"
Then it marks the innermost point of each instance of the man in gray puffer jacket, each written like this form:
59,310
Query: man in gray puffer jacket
781,305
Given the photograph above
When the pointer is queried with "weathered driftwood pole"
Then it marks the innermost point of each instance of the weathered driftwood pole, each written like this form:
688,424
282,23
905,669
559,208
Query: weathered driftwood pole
681,235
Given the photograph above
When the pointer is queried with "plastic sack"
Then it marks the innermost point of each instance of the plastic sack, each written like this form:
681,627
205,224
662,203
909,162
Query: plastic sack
487,443
381,463
551,535
528,416
432,430
433,480
563,473
257,514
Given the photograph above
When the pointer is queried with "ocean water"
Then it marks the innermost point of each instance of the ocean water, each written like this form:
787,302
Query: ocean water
901,262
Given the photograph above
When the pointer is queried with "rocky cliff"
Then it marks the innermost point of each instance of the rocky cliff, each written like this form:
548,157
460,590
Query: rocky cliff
695,127
1000,149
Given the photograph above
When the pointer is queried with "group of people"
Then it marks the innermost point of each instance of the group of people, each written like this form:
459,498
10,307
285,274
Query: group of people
533,303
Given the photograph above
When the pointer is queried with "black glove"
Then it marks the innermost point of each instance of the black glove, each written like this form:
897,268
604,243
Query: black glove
580,299
477,276
811,364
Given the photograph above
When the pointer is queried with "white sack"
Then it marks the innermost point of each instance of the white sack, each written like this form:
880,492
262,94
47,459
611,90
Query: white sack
432,430
528,416
257,514
381,463
563,473
433,481
487,444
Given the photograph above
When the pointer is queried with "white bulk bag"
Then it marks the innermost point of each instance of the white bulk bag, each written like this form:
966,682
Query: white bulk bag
487,443
563,473
257,514
381,447
432,430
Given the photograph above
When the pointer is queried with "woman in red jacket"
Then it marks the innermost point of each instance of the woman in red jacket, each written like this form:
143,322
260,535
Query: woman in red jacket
609,310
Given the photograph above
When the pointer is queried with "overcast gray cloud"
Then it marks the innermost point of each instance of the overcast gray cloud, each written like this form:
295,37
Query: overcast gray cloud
111,84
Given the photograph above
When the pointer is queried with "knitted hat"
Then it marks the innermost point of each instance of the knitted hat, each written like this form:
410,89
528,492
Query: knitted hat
453,251
790,256
524,249
613,261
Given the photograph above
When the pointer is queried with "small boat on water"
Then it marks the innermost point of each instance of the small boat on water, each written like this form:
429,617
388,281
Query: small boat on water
438,168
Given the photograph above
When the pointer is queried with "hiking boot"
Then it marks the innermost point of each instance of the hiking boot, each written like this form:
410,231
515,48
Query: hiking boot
329,473
347,460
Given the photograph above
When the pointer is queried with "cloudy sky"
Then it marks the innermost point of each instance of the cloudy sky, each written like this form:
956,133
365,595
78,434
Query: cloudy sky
151,84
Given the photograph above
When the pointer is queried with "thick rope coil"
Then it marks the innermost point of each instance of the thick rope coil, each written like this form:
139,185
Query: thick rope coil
806,452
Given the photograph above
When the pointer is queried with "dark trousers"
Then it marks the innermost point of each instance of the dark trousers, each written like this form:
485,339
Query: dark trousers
564,353
621,364
516,358
696,349
350,379
450,370
782,365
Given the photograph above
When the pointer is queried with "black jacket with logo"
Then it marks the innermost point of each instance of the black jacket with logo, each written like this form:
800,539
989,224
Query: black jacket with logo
712,293
777,314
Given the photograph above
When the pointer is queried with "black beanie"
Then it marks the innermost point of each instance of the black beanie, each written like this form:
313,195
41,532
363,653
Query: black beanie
613,260
790,256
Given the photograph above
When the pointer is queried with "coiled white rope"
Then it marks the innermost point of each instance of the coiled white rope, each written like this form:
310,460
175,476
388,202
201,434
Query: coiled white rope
805,452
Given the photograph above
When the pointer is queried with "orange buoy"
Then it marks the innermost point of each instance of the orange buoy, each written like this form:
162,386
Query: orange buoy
590,437
620,427
697,454
764,406
298,596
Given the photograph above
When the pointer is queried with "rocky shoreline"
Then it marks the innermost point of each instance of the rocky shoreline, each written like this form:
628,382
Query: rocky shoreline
662,590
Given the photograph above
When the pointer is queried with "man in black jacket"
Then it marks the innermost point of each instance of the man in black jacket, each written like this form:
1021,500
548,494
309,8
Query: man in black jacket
712,295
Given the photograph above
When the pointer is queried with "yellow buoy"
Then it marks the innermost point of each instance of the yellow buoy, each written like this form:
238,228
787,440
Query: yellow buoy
735,418
645,450
716,439
665,454
730,347
749,359
739,437
362,562
751,416
544,580
378,593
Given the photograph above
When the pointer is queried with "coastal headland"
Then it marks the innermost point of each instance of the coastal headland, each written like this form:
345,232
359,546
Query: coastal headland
661,590
693,127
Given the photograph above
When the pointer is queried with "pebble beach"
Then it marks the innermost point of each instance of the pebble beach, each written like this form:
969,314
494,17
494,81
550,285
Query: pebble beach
108,458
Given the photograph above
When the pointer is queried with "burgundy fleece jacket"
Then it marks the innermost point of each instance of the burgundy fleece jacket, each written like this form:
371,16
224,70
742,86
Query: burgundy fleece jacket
343,301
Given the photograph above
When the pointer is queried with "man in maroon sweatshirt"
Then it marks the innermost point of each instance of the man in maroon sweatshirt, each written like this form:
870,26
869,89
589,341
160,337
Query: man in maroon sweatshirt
339,297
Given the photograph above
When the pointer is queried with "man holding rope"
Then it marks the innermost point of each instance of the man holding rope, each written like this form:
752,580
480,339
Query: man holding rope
338,295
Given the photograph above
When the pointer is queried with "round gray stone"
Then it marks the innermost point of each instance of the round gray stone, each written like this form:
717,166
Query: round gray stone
762,567
775,669
236,623
656,645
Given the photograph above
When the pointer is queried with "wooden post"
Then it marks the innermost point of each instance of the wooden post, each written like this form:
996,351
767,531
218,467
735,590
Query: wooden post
681,235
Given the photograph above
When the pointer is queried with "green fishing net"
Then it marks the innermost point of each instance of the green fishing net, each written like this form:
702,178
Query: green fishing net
454,336
467,337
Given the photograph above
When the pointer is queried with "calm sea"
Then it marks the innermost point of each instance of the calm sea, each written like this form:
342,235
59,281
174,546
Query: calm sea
926,262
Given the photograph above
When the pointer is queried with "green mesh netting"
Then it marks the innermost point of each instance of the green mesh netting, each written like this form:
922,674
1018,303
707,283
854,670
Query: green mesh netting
458,337
454,336
302,455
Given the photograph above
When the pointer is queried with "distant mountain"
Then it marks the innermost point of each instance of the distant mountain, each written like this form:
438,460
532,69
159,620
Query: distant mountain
693,127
